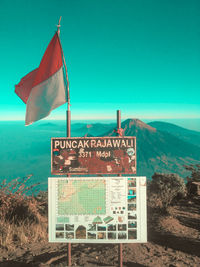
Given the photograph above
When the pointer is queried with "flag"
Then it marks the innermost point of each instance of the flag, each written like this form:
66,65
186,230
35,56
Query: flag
44,88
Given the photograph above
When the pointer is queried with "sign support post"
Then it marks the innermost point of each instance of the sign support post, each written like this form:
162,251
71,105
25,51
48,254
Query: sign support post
120,248
68,113
118,120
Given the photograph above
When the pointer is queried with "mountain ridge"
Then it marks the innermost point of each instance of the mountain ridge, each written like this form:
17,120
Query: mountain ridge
190,136
26,150
159,151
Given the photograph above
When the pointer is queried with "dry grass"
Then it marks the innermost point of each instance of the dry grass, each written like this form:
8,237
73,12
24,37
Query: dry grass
23,216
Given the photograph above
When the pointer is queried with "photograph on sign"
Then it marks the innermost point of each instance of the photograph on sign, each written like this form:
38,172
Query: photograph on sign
97,210
93,155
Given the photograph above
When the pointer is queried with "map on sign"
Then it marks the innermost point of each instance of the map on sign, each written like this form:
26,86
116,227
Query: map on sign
97,209
78,197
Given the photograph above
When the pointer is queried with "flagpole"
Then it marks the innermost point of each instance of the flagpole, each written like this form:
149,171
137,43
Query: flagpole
68,119
68,112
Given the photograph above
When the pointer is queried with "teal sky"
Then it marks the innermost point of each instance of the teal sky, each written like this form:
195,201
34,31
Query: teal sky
142,57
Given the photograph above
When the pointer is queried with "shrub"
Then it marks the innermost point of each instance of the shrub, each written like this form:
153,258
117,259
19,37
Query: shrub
194,177
164,189
22,214
15,205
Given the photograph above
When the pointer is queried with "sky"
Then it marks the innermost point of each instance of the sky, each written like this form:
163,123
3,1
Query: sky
139,56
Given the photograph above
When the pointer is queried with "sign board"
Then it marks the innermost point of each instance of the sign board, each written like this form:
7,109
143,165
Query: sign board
93,155
97,210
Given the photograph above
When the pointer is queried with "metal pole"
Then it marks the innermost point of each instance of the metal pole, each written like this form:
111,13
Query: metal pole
68,122
68,115
68,118
118,119
120,251
120,248
69,254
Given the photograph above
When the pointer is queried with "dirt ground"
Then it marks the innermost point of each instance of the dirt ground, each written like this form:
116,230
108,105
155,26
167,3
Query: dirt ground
173,240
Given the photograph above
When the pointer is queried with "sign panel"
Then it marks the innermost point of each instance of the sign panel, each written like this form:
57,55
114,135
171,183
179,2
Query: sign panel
97,210
93,155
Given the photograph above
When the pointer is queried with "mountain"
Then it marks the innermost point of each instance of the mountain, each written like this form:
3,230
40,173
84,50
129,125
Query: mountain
159,151
27,150
190,136
93,129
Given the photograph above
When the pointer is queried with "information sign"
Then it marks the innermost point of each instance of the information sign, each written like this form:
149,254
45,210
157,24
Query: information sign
97,210
93,155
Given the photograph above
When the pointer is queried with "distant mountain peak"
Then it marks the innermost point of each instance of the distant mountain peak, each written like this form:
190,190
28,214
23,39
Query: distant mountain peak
136,123
47,124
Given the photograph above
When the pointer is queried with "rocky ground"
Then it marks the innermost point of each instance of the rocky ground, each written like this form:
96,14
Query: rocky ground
173,240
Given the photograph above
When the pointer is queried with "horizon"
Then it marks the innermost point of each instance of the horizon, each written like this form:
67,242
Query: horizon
187,123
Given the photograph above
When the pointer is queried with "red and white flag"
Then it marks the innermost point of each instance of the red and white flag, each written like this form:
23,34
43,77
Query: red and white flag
44,88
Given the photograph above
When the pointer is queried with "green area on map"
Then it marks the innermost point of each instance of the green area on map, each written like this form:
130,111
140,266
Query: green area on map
81,197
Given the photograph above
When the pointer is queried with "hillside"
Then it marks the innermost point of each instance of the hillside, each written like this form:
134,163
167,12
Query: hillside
173,236
173,240
189,136
159,151
26,150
